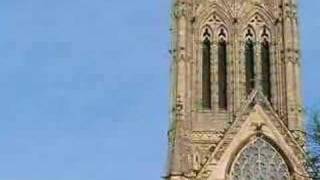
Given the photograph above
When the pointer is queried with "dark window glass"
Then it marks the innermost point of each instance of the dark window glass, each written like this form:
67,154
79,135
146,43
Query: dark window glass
222,74
249,58
206,77
265,65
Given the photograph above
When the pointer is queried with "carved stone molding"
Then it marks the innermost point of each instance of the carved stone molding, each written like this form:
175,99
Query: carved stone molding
206,136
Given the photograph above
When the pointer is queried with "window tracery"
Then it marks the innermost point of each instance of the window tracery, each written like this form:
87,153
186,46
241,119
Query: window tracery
260,161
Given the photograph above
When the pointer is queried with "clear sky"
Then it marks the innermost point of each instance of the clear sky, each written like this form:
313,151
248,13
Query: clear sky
84,87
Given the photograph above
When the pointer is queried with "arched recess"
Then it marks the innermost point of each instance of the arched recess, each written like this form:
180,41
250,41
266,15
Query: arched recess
258,51
215,22
265,50
260,158
206,56
249,59
222,52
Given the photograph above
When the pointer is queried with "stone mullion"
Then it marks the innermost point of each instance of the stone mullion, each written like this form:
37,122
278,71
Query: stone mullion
258,70
230,77
242,75
278,90
239,74
193,73
275,70
214,76
273,74
235,72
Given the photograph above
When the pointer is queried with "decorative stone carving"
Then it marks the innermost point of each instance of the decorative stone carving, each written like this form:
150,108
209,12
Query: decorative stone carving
181,9
206,136
300,137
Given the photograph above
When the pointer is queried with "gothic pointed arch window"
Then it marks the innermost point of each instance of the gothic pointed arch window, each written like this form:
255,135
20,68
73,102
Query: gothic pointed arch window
265,65
249,62
259,160
222,70
206,69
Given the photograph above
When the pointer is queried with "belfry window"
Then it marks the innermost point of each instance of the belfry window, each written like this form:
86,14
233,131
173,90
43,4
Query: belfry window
249,66
206,73
222,74
265,71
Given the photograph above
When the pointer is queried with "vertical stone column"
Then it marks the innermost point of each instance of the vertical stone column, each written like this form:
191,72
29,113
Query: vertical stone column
292,58
214,77
230,75
273,73
237,64
241,76
297,65
180,160
289,60
282,75
280,83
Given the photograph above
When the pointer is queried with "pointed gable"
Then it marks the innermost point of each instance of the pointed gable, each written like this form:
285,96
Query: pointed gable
257,119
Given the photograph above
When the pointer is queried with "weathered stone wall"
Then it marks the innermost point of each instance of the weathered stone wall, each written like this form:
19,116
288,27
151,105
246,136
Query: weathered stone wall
200,137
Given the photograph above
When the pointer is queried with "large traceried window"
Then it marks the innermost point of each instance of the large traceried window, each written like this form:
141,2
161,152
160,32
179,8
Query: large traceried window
206,70
249,65
259,161
222,70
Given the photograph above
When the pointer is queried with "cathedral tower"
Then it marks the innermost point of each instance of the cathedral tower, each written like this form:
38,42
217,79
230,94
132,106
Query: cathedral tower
235,97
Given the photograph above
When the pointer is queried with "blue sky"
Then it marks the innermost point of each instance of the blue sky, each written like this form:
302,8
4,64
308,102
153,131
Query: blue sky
84,87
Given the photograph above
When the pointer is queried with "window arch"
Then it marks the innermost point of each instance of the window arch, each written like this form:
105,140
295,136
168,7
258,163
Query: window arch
206,70
265,65
222,70
259,160
249,64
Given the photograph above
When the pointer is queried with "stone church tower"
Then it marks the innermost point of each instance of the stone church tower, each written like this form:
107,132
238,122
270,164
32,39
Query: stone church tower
235,99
